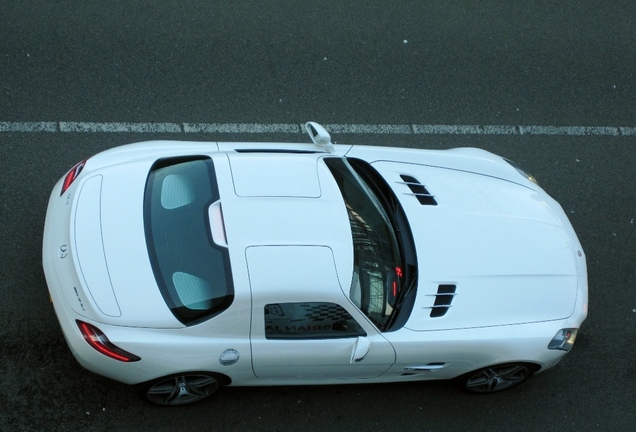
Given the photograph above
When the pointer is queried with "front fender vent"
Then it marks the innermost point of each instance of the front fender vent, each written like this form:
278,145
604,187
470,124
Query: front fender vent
443,299
418,190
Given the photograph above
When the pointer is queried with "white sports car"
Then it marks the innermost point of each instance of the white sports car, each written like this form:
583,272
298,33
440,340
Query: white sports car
186,266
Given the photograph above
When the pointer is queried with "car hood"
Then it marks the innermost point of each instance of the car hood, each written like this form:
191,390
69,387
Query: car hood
508,250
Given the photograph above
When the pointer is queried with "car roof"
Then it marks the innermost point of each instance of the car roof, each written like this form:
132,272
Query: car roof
302,207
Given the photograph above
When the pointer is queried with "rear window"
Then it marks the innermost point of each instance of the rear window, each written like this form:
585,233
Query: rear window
192,272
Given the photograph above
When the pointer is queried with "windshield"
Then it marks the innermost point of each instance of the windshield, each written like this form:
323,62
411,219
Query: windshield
192,272
379,264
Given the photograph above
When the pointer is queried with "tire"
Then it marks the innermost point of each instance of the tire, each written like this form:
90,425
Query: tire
497,378
181,389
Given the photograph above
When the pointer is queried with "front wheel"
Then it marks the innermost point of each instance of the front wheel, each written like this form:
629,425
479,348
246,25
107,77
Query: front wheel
181,389
497,378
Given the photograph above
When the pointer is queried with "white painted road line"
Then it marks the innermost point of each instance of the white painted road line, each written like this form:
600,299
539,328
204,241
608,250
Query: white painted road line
28,127
464,130
240,128
292,128
522,130
120,127
572,130
367,129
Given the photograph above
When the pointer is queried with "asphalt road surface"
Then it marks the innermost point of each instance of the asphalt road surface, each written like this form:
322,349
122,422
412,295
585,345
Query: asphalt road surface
548,84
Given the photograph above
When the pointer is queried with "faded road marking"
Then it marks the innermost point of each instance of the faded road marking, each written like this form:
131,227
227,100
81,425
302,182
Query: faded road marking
294,128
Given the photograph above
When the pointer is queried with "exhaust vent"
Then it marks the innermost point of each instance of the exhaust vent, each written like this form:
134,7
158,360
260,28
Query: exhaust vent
418,190
443,300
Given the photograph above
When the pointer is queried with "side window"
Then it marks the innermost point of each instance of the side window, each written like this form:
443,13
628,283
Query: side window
310,320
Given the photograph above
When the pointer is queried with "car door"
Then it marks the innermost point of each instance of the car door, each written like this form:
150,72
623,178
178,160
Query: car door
303,327
315,341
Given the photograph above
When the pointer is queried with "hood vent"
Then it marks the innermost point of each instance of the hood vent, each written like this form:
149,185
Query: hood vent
418,189
443,300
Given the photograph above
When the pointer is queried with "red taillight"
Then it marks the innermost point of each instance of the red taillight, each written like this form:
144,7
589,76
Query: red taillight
72,175
98,340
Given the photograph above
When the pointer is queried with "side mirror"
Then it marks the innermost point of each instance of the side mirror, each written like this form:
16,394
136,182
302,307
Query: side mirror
360,349
319,135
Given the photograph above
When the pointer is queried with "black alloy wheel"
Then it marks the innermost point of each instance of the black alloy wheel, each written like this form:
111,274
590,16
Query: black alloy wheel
497,378
181,389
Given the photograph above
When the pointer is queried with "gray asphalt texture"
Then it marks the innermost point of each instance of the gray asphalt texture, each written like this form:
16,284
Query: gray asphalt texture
371,62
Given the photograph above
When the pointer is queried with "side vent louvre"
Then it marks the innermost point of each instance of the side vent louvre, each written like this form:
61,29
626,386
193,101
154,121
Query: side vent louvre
418,189
291,151
443,300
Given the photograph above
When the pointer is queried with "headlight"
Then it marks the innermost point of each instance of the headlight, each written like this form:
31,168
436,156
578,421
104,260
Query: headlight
564,339
522,172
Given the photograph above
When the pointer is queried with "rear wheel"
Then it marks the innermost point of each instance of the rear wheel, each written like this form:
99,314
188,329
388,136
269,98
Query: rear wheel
497,378
181,389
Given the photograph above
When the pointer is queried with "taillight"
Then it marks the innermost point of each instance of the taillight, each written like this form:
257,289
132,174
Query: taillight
98,340
72,175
